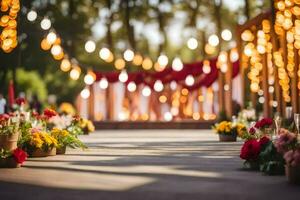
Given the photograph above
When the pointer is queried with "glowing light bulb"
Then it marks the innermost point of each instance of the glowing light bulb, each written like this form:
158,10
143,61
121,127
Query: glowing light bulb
189,80
104,53
103,83
158,86
31,16
65,65
75,74
163,60
192,43
120,64
89,79
177,64
173,85
123,76
147,64
213,40
128,55
168,116
51,38
131,87
85,93
146,91
206,67
56,50
226,35
90,46
46,24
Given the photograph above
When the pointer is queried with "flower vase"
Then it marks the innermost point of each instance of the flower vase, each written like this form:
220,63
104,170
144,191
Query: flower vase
293,174
9,142
227,138
41,153
61,150
9,163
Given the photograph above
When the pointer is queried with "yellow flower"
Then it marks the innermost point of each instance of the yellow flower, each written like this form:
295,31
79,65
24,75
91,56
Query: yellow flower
90,126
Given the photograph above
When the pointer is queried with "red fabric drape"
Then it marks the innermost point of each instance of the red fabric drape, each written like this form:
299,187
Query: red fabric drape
168,75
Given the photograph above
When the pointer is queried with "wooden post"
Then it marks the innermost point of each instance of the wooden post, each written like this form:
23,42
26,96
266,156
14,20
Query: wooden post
294,82
265,86
284,56
228,93
91,103
242,69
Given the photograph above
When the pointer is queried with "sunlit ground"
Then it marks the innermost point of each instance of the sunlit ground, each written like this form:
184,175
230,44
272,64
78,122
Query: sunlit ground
152,164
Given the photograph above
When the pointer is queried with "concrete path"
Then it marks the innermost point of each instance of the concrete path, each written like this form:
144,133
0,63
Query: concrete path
144,165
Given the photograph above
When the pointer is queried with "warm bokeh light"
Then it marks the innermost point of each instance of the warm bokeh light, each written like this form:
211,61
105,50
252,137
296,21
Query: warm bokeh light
147,64
192,43
213,40
123,76
120,64
177,64
46,24
90,46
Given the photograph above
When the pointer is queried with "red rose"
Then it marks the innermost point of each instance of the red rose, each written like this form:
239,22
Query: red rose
4,117
20,155
20,101
49,113
257,124
263,141
252,130
250,150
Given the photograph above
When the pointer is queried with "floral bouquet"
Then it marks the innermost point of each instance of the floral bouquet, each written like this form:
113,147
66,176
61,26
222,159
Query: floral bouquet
12,159
288,145
86,125
229,131
65,139
39,143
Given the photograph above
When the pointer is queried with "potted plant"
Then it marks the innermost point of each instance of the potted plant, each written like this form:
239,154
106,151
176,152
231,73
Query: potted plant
65,139
229,131
87,126
289,146
12,159
9,132
39,143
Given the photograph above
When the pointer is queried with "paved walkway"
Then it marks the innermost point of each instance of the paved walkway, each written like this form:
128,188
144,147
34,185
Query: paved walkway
144,165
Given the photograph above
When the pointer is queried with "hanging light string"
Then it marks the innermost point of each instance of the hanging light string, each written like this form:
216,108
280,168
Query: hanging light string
8,21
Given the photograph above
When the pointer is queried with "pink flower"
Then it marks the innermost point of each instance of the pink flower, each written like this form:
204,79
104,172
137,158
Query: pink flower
20,101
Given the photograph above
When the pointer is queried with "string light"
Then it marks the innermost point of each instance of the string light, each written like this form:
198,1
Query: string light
85,93
177,64
89,78
213,40
192,43
137,59
206,67
75,72
103,83
189,80
226,35
158,86
104,53
56,50
128,55
168,116
65,65
173,85
147,64
51,38
146,92
163,60
90,46
131,87
120,64
31,16
123,76
46,24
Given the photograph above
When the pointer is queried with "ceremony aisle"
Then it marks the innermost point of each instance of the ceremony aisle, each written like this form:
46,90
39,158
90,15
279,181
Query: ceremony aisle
147,164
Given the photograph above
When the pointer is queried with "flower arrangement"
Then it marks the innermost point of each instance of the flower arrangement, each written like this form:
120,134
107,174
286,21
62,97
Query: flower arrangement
260,129
13,158
8,124
86,125
40,141
65,139
229,131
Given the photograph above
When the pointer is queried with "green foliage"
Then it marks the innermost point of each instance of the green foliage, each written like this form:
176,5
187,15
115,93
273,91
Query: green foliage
271,162
5,154
31,83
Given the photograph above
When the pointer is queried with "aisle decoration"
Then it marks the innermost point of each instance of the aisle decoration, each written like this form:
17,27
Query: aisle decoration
65,139
12,159
9,131
259,151
288,145
86,125
228,131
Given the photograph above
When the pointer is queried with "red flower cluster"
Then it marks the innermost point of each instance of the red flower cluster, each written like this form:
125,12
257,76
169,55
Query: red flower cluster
251,148
20,155
4,118
263,123
252,130
49,113
20,101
